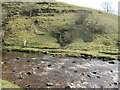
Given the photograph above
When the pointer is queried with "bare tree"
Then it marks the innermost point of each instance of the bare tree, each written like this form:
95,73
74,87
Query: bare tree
107,6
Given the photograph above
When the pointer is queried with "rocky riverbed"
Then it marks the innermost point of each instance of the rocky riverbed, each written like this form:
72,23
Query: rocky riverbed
45,71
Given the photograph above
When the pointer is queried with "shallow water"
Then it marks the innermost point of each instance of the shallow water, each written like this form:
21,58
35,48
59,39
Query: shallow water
33,70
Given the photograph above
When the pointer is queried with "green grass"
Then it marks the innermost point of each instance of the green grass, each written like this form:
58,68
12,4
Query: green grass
63,52
20,28
6,84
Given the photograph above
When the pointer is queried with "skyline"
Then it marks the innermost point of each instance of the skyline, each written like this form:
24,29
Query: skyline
93,3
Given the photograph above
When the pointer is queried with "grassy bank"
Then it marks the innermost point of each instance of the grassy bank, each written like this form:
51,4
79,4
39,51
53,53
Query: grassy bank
65,52
7,85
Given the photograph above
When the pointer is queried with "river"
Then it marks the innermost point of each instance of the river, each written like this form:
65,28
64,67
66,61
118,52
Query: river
35,70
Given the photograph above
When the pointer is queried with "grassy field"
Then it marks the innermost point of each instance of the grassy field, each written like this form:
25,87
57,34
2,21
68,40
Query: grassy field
36,29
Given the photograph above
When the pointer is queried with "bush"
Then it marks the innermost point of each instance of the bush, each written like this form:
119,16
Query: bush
64,37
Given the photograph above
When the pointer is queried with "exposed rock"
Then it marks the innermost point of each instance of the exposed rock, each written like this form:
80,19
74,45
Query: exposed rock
74,62
98,76
94,72
115,83
29,73
75,71
111,62
28,86
111,70
67,87
21,77
13,71
49,84
28,61
89,76
18,58
49,65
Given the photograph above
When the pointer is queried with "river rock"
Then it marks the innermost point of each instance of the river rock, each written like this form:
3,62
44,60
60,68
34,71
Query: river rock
49,84
17,58
74,62
49,65
29,73
94,72
111,62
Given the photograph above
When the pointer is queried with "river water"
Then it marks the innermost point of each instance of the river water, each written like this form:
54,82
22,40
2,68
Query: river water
33,70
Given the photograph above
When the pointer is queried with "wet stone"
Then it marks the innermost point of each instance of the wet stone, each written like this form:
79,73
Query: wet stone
49,65
75,71
111,62
88,76
28,61
63,67
4,62
111,70
17,58
28,86
74,62
13,71
83,74
37,67
13,81
29,73
21,77
67,87
98,76
94,72
115,83
49,84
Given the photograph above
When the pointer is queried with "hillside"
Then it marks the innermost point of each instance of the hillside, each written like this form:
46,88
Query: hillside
57,25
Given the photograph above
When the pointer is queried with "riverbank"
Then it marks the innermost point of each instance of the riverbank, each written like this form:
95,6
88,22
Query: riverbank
6,84
65,52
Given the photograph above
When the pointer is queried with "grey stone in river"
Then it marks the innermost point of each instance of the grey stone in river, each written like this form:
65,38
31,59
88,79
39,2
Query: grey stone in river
75,71
94,72
89,76
67,87
73,61
28,61
29,73
49,65
28,86
21,77
111,62
115,83
17,58
38,67
98,76
49,84
13,71
111,70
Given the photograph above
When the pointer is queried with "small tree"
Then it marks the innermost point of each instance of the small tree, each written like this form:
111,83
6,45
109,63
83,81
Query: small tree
63,36
107,6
